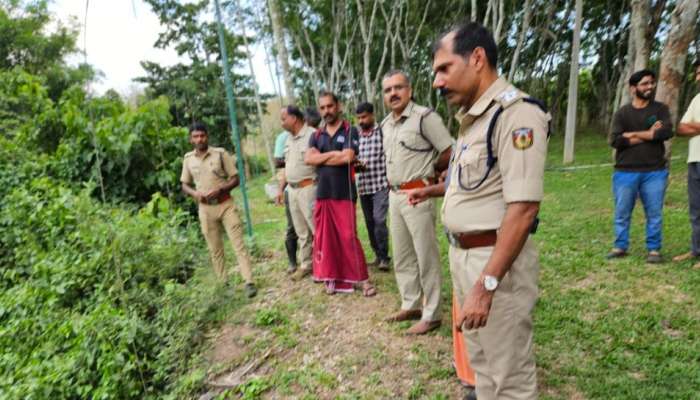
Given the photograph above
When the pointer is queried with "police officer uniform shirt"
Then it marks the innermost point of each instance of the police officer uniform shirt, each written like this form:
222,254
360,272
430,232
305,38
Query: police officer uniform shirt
520,145
296,170
210,171
410,155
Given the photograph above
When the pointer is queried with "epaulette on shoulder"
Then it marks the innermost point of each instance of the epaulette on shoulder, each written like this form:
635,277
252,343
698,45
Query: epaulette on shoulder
509,97
385,119
189,153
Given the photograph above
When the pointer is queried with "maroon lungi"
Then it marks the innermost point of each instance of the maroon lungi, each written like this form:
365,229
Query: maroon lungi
339,261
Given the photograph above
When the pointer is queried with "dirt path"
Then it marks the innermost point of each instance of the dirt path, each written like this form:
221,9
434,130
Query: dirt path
295,341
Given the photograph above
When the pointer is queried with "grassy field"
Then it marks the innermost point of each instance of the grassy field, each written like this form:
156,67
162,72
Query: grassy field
603,330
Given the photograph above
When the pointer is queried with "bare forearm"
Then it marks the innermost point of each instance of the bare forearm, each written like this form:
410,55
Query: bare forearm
443,160
339,158
316,158
643,135
230,184
188,190
514,231
436,190
688,129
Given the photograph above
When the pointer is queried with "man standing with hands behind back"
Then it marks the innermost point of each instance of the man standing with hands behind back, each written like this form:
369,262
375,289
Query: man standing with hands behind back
214,174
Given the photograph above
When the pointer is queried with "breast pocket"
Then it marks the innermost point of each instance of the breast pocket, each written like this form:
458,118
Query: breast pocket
411,142
472,168
217,169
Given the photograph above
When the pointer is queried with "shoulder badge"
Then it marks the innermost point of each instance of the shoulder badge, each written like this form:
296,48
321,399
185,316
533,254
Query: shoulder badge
523,138
508,97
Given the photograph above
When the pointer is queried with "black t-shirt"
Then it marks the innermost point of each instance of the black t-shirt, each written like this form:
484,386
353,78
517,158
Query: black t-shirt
648,155
336,182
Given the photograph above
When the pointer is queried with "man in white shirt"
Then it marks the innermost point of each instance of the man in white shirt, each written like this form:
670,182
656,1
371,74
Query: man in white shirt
690,127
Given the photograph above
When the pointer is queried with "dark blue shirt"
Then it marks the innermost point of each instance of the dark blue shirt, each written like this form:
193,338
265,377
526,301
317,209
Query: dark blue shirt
336,182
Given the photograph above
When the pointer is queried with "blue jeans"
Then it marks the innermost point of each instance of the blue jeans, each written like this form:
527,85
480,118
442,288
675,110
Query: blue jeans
651,188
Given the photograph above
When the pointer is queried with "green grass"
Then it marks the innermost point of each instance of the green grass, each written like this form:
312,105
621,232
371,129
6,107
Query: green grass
603,330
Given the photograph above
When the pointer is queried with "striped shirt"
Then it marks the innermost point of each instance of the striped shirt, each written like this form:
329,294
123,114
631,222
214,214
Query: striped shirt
373,179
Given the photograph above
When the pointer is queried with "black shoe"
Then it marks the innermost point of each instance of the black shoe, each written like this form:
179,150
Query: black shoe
250,290
292,268
654,257
374,263
616,253
383,265
471,394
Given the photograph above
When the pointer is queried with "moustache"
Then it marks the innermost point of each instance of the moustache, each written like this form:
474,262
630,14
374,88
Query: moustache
443,92
394,98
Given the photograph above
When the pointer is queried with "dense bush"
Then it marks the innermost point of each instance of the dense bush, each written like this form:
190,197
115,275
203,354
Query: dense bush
95,300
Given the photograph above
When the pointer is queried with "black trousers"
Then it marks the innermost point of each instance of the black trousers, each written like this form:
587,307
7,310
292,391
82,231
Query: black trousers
694,205
374,208
291,238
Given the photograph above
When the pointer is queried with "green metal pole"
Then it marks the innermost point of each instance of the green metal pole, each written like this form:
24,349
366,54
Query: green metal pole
232,118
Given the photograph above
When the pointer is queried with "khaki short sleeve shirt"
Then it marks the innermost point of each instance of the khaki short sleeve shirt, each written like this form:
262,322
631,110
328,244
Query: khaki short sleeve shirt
209,171
295,169
476,198
410,156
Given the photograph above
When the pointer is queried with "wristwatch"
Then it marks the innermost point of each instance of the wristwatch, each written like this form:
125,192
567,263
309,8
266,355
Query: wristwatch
490,283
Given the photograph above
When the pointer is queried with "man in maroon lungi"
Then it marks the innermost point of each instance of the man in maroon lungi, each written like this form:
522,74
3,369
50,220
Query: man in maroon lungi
338,259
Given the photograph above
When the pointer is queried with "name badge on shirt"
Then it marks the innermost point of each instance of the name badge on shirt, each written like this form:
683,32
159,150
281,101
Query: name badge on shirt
341,139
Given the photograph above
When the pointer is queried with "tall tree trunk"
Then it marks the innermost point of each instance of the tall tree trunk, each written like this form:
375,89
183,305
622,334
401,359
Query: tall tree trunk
672,69
258,104
521,38
573,88
638,28
675,51
282,56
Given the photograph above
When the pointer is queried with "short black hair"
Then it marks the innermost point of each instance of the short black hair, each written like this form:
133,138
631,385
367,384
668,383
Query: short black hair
696,64
326,93
639,75
468,36
198,126
364,107
312,117
294,111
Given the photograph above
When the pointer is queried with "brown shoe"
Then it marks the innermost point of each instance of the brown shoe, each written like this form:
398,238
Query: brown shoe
684,257
422,327
405,315
301,274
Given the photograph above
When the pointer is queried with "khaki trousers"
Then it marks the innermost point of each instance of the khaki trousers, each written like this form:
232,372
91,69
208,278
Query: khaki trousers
416,255
301,207
501,352
211,218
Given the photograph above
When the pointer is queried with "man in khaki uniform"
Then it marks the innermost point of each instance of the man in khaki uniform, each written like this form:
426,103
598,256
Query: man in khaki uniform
491,202
416,145
300,181
214,174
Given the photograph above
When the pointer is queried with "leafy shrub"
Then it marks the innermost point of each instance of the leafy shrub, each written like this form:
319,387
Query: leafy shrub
96,301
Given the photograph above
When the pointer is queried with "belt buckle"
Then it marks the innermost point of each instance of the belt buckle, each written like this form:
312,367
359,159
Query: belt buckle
451,238
213,202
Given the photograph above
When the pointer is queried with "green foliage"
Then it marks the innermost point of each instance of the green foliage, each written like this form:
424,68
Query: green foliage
196,89
96,301
253,388
136,150
269,317
28,40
